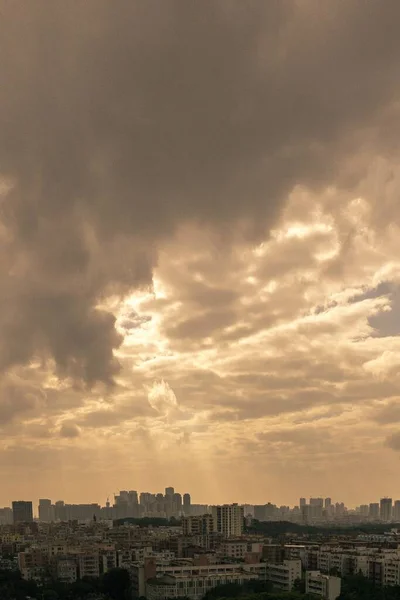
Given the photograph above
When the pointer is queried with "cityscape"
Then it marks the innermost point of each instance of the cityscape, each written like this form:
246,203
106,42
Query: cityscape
169,547
199,299
172,504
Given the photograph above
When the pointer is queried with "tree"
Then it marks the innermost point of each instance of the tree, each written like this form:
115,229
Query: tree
116,583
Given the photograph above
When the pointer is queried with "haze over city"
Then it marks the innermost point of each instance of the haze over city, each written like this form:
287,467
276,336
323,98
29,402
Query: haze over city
199,250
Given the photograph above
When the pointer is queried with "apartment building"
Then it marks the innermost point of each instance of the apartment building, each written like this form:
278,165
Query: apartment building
191,586
284,575
228,519
89,564
198,525
65,569
150,569
325,586
233,549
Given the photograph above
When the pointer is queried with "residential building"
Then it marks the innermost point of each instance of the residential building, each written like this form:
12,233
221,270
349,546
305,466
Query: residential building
283,576
396,511
89,564
200,525
385,512
325,586
191,586
228,519
45,511
22,511
65,569
374,511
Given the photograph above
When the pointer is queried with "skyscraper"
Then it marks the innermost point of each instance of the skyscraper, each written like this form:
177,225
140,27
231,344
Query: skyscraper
22,511
386,509
374,510
186,504
45,511
169,491
303,502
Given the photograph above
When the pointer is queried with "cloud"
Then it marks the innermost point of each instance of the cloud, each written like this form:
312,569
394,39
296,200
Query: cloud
199,210
18,398
393,441
120,124
69,430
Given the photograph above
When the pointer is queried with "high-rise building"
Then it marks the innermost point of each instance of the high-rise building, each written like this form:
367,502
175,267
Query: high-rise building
374,510
396,511
385,512
177,500
328,502
303,502
186,504
133,497
316,507
169,491
60,511
45,510
22,511
228,519
6,516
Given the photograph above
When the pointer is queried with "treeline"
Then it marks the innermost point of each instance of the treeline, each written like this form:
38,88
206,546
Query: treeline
147,522
113,585
358,587
278,528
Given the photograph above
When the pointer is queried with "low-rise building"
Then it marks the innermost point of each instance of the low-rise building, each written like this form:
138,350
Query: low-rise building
191,586
325,586
284,575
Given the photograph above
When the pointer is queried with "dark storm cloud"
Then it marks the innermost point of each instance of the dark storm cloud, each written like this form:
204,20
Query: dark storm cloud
120,120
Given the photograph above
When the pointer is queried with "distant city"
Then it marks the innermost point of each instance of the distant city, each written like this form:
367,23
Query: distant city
174,505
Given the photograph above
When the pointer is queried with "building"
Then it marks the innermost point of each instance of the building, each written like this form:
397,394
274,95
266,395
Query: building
65,569
22,511
45,511
325,586
89,564
396,511
228,519
150,571
385,512
374,511
186,504
283,576
6,516
191,586
201,525
232,548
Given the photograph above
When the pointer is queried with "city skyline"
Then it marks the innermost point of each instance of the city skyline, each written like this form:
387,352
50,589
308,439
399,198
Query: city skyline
141,497
199,255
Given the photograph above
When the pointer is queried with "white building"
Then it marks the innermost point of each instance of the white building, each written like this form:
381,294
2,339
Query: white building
325,586
283,576
228,519
191,586
391,571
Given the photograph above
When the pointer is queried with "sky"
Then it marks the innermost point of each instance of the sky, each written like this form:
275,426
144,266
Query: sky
199,249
